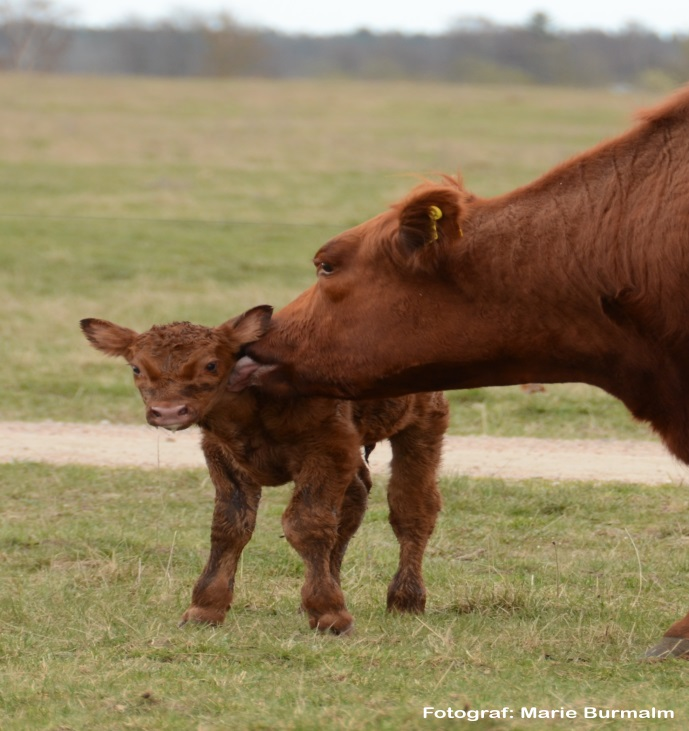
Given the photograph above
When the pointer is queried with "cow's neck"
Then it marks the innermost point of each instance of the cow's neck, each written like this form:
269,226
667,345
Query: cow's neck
562,274
550,271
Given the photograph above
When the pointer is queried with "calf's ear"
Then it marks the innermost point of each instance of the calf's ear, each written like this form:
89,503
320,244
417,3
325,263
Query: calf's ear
428,219
108,337
249,326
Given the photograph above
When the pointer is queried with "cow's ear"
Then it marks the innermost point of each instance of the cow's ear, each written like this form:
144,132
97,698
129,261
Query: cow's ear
249,326
106,336
429,219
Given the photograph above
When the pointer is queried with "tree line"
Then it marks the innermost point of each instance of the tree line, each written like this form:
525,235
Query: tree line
37,35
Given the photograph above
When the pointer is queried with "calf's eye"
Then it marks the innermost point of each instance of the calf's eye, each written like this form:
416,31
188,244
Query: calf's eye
136,370
325,268
212,367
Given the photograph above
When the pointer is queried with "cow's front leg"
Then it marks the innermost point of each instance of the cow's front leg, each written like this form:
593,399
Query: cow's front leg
234,519
674,643
310,524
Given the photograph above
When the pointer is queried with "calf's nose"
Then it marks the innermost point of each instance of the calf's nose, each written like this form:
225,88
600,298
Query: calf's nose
170,416
166,412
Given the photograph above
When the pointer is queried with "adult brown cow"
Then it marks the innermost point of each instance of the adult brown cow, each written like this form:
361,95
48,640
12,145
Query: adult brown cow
582,275
251,439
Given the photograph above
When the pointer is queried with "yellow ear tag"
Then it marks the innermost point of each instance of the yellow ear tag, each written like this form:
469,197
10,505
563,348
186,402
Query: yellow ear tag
435,214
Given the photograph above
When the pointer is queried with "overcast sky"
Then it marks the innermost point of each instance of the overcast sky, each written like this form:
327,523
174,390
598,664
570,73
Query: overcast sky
422,16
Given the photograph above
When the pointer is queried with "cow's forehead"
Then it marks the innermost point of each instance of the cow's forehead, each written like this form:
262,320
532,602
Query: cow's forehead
373,230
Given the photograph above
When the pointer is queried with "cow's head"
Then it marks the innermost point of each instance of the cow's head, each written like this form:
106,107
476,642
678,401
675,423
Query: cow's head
369,304
180,369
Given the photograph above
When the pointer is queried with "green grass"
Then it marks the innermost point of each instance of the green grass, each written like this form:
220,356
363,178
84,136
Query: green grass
536,598
572,411
148,200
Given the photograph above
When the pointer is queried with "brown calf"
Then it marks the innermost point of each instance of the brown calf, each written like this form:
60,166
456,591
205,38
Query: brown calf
251,440
581,275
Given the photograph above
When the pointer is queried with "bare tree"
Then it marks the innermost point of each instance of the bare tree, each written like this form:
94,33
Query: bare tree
34,34
233,50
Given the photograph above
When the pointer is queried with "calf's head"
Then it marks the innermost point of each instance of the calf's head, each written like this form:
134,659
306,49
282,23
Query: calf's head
180,369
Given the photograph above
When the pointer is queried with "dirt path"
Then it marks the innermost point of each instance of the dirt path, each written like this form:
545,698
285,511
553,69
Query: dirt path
142,446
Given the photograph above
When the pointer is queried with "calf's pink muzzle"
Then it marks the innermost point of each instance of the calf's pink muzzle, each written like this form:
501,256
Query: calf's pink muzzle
170,416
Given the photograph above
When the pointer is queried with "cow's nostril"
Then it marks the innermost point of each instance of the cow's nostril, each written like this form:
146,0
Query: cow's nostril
183,411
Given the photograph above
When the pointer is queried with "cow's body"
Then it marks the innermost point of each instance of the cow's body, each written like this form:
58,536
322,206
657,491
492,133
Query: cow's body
580,276
252,440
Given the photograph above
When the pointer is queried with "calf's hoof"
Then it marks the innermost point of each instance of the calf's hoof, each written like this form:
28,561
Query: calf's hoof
203,615
407,602
668,647
339,623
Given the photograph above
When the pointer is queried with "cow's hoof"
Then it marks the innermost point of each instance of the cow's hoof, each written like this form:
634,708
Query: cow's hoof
339,623
668,647
202,615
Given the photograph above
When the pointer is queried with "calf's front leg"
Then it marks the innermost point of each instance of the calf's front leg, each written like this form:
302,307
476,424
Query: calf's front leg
234,520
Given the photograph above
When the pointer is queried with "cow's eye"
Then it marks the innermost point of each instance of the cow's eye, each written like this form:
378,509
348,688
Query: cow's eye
325,268
212,367
136,370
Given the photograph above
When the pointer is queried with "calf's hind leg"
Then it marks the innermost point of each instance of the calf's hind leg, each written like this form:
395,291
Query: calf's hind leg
351,515
310,523
414,502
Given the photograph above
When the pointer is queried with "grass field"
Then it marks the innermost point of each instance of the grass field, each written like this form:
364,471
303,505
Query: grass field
540,595
147,201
